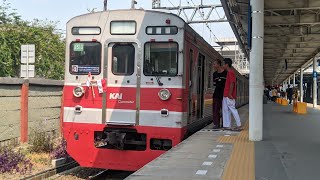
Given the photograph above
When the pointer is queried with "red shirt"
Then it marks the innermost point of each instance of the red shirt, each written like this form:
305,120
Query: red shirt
231,78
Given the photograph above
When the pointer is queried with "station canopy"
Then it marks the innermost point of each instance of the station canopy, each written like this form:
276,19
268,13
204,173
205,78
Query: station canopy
291,34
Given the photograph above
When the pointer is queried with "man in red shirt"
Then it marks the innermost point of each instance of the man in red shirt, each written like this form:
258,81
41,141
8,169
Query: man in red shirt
229,97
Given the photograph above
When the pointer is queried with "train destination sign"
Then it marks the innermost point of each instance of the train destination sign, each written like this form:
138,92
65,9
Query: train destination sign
78,47
85,69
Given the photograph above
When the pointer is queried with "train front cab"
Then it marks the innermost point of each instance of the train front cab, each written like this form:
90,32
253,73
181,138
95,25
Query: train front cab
143,111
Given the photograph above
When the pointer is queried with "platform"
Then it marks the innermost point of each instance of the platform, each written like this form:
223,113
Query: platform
201,156
289,151
291,146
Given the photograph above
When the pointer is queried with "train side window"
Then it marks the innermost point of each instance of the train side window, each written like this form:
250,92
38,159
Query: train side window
123,59
210,74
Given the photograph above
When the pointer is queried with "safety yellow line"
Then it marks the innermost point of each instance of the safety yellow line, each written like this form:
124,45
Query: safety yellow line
241,165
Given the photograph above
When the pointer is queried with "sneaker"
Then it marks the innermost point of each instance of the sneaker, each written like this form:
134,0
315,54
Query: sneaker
239,128
216,127
226,128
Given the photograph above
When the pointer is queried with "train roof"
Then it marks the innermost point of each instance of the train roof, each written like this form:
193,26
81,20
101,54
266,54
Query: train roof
117,10
187,27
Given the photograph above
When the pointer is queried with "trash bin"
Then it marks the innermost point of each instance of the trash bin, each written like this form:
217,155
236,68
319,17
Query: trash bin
265,99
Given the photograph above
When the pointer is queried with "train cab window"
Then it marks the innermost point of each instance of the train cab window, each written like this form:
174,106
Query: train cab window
85,57
160,59
86,30
161,30
123,27
123,59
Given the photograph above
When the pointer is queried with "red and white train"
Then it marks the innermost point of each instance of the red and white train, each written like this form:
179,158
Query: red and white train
136,83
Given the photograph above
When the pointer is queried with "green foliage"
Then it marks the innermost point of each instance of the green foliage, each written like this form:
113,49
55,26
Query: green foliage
14,32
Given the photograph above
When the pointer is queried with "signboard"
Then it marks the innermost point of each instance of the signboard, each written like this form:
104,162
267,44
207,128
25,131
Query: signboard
27,72
28,53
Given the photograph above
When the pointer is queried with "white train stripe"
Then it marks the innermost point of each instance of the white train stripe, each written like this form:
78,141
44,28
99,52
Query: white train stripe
125,116
132,86
122,116
154,118
88,115
164,86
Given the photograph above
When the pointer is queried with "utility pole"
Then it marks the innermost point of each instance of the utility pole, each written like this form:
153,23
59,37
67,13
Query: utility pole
133,2
105,5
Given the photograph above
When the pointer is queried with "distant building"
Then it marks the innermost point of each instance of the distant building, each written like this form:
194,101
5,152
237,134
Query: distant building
229,48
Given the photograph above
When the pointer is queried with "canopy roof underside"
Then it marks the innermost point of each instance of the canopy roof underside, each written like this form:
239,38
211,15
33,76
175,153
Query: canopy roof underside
291,34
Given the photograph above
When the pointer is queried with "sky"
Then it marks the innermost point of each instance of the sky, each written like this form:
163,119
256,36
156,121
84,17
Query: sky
62,10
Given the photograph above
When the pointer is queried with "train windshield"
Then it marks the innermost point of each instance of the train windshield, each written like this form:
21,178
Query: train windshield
85,57
160,59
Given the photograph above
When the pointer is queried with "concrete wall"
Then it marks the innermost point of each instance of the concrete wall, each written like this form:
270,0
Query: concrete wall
9,111
44,102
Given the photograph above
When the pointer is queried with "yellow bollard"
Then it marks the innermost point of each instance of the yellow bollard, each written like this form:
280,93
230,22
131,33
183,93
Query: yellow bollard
295,104
300,107
284,102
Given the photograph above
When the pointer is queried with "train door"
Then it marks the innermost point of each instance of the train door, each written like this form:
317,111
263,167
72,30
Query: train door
190,84
120,101
238,92
200,86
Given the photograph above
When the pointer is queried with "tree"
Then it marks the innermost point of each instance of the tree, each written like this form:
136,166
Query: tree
14,32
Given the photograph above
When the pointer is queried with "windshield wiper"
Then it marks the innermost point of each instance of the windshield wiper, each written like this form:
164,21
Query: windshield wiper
158,81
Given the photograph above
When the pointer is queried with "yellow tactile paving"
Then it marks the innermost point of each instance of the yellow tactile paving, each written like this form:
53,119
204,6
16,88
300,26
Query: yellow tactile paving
241,163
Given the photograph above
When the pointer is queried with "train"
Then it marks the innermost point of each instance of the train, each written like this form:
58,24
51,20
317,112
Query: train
137,82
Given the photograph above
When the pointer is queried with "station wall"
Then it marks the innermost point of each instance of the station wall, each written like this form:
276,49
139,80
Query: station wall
44,104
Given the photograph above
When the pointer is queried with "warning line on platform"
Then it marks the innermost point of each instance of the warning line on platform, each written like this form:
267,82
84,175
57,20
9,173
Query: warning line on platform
241,164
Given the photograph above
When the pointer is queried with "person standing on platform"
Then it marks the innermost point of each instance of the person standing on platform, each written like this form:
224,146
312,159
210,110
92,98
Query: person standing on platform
295,95
289,94
270,94
229,98
219,80
274,94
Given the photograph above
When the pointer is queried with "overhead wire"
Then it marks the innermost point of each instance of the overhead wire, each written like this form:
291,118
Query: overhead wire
178,10
209,28
213,37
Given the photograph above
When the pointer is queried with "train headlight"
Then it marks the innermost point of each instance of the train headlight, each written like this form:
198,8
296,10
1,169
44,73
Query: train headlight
164,94
78,91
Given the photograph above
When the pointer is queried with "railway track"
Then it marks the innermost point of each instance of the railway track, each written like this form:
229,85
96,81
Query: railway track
79,173
73,171
52,171
99,175
111,175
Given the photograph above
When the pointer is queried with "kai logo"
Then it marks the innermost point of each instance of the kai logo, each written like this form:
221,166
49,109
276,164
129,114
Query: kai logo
115,96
